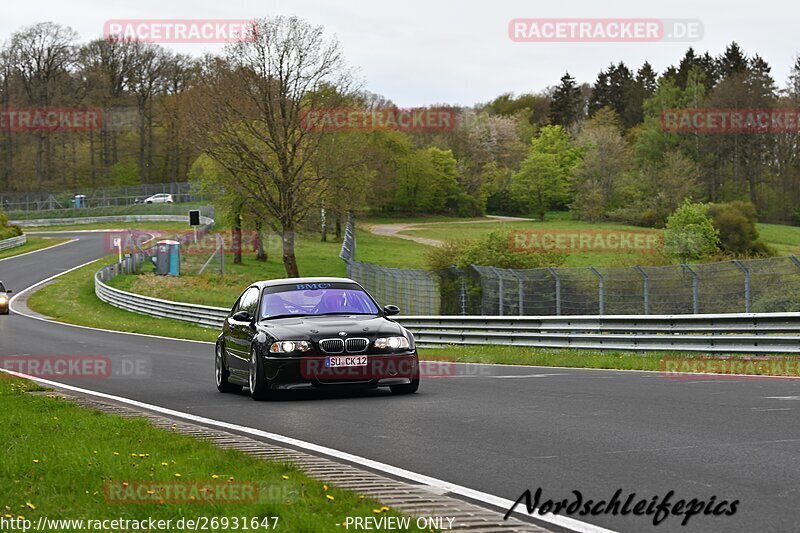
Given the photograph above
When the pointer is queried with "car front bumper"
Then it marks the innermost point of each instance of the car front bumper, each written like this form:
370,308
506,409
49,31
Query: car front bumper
309,372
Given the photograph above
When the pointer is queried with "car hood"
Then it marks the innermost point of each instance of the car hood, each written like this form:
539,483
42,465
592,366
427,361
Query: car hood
324,327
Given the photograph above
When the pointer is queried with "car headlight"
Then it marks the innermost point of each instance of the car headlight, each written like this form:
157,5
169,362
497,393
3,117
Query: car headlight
3,298
289,346
393,343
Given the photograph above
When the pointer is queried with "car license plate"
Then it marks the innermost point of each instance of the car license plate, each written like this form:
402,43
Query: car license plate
337,362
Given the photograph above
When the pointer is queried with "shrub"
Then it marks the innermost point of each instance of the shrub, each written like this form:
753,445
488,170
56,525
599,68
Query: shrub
690,233
7,231
736,224
490,250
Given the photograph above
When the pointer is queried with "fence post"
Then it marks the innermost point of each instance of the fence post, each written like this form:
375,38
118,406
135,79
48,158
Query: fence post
695,290
795,260
646,281
601,288
558,289
500,290
520,293
462,289
746,284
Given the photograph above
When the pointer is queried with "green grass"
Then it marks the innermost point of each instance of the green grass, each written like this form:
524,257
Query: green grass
784,239
70,298
315,258
59,459
32,244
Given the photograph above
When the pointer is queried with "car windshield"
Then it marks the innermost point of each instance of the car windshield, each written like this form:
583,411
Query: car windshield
317,299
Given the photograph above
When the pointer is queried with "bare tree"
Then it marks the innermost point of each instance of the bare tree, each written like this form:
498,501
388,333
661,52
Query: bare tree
250,119
145,82
41,56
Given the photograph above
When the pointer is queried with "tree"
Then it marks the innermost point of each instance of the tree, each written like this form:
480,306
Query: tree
606,161
250,118
42,56
542,180
690,233
566,105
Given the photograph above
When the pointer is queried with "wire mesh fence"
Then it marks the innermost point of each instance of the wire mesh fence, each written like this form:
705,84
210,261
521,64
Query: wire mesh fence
97,197
739,286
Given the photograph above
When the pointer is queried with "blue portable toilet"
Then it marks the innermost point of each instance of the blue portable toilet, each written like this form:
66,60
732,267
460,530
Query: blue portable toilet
79,201
168,258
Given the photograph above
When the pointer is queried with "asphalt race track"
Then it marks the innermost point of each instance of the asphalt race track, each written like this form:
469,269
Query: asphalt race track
495,429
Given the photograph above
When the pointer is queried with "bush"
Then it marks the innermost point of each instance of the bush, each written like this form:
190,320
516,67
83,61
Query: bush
7,231
490,250
690,233
736,224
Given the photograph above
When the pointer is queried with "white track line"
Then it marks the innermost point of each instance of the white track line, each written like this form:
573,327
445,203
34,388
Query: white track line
438,484
39,250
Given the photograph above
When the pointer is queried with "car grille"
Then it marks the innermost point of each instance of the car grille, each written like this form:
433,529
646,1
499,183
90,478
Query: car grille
332,345
356,345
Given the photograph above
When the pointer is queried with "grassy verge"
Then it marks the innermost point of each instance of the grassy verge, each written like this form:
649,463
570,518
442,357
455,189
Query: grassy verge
315,258
31,245
65,462
70,298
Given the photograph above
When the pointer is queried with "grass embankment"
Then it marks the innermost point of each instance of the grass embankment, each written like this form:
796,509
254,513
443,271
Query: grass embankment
315,258
62,461
70,298
31,245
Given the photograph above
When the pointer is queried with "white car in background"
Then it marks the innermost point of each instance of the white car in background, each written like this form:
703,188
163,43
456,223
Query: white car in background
159,199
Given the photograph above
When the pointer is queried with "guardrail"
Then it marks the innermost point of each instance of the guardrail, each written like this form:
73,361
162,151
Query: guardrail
13,242
731,333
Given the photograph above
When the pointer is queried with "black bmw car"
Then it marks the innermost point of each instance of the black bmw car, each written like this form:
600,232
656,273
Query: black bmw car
313,333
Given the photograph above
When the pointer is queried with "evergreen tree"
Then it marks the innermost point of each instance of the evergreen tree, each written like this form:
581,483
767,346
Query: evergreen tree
565,108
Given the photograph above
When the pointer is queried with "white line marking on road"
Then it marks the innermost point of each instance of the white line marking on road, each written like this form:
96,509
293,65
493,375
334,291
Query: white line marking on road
781,397
495,501
510,376
40,249
763,409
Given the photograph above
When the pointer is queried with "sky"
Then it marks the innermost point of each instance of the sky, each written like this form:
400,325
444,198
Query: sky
429,52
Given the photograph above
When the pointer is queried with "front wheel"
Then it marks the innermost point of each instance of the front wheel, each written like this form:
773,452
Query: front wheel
221,374
259,385
409,388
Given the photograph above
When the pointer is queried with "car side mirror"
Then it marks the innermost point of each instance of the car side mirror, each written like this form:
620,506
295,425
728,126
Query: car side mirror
9,291
242,316
391,310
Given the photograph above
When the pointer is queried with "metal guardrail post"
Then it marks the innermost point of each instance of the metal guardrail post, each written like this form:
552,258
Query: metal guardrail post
558,289
646,282
695,289
601,289
746,272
